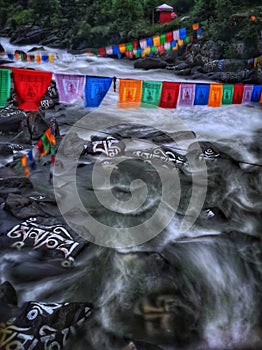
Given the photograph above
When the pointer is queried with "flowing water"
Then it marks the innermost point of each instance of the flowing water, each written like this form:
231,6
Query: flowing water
193,288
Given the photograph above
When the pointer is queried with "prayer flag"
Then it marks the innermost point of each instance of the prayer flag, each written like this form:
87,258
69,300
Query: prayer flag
129,46
238,93
169,37
256,93
130,92
228,92
176,35
201,94
5,86
215,95
101,51
109,50
180,42
156,40
247,93
161,49
260,100
169,94
70,87
151,92
95,90
30,86
122,48
143,43
162,39
149,41
182,33
186,94
195,26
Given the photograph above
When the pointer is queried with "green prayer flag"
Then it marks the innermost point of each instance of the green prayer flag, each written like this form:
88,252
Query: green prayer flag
45,143
187,39
129,47
151,92
228,92
5,86
154,49
162,39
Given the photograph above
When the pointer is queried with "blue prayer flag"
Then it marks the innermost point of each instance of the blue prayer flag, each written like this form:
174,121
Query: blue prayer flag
201,94
149,41
95,90
256,92
182,33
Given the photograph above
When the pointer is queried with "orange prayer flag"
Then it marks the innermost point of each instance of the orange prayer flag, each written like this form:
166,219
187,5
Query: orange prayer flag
122,48
130,93
260,100
195,26
156,40
24,160
215,95
26,171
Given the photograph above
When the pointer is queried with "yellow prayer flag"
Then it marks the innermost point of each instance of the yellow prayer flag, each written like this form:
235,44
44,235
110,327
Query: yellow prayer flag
156,40
215,95
51,58
180,42
130,93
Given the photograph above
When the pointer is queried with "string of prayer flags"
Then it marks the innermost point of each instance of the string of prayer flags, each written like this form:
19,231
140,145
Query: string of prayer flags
69,87
95,90
169,94
5,86
228,92
215,95
238,93
130,92
186,95
30,86
151,92
201,94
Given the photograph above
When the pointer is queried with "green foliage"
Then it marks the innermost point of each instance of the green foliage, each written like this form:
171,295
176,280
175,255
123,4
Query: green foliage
99,23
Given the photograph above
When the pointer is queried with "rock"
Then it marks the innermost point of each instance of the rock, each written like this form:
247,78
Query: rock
11,118
37,124
21,207
2,50
27,35
23,137
15,182
150,63
5,150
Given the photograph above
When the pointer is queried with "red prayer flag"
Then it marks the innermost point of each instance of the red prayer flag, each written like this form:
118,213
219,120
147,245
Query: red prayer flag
169,37
169,94
30,86
238,93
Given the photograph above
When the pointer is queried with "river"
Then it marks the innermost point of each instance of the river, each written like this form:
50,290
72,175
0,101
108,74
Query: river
190,278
